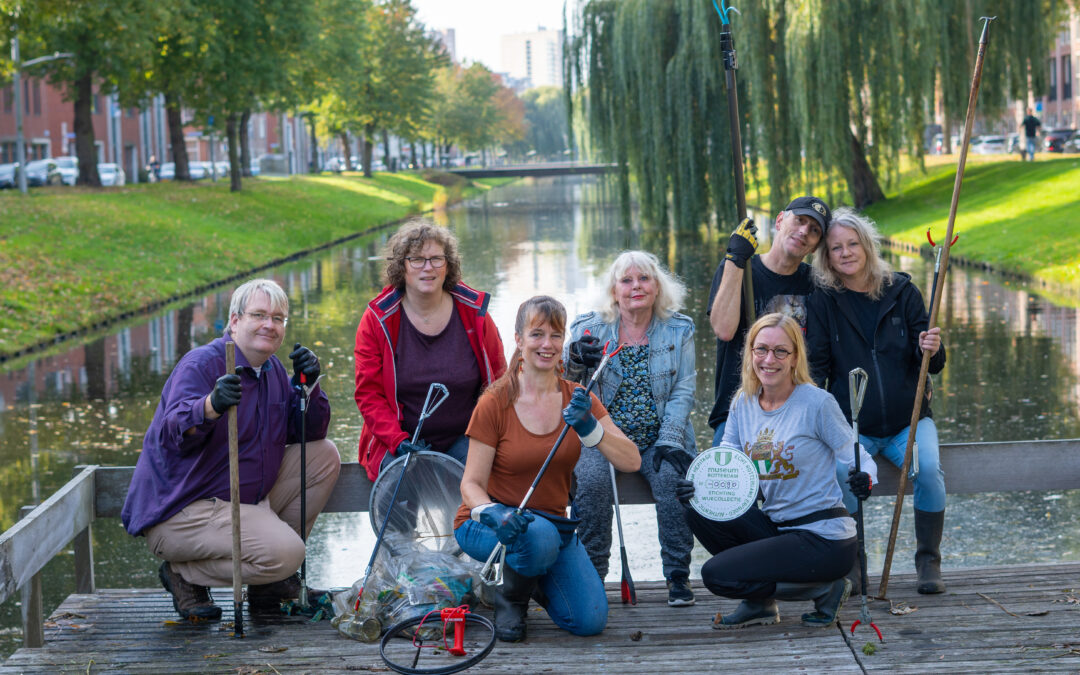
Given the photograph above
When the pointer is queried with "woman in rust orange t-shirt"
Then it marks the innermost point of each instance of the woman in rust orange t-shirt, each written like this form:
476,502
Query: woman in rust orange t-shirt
513,428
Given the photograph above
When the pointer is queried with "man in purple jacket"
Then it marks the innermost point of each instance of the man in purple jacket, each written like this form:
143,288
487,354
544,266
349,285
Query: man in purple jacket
179,495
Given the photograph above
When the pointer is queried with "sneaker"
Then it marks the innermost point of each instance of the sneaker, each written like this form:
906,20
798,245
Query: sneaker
192,602
679,593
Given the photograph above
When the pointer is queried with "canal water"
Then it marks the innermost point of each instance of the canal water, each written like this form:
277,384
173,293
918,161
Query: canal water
1013,373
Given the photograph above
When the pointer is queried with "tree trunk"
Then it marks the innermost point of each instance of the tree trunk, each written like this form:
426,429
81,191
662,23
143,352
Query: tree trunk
231,123
314,168
862,182
176,137
391,165
348,154
84,132
412,154
424,154
369,133
245,144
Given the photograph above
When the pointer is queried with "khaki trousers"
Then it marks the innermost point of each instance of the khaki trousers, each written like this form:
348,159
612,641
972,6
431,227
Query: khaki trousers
197,541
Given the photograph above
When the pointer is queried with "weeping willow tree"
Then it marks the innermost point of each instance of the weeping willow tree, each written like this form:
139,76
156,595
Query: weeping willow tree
830,90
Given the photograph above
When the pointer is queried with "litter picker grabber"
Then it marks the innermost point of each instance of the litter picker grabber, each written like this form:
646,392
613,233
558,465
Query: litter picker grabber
731,64
234,499
305,393
492,573
857,380
437,393
935,303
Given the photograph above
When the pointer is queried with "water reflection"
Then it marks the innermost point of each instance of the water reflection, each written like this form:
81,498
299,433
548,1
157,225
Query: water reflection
1013,373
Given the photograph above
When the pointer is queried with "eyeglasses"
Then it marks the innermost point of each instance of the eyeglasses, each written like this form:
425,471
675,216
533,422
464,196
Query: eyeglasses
260,317
436,261
779,352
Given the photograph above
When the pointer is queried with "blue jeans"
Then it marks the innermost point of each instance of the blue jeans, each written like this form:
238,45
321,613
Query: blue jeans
718,435
576,601
929,484
1031,145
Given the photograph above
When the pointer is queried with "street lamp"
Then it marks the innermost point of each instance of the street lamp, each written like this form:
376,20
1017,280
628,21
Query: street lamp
20,144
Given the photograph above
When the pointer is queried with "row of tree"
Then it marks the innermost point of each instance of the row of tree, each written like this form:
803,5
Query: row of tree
830,90
353,68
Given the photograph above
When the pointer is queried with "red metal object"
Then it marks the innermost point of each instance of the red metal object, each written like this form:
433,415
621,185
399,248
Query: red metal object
931,239
455,616
871,624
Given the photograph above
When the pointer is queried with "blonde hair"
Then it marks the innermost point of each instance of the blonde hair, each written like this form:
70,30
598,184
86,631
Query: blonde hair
878,271
539,309
279,301
670,292
800,372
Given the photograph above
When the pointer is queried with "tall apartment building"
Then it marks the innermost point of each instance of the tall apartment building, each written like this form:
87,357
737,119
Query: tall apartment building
534,58
448,38
1061,101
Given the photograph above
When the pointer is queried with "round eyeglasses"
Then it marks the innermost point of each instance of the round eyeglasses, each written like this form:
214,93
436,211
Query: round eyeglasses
779,352
260,317
417,263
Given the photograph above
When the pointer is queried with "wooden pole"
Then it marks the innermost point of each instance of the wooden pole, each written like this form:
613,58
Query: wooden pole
234,499
924,367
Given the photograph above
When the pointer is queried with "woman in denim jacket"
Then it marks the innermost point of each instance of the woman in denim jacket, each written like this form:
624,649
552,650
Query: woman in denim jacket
648,389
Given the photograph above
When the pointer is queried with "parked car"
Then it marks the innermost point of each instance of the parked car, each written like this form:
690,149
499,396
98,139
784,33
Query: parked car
7,176
111,175
1054,140
1012,141
69,169
255,170
167,171
989,145
43,172
222,169
199,170
1073,144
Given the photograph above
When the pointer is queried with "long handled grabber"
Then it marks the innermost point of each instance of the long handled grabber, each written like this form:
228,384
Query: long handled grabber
731,64
436,394
234,498
629,595
935,303
305,393
857,380
492,573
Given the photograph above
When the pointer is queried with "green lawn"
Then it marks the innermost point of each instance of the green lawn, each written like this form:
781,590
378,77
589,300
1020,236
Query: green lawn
1013,215
71,257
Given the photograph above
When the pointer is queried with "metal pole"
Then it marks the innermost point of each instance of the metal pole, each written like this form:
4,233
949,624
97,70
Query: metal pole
20,144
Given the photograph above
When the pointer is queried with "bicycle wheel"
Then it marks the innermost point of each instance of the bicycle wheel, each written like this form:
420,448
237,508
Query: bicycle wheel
401,655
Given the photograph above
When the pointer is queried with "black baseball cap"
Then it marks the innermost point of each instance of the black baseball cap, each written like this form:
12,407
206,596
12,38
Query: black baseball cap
813,207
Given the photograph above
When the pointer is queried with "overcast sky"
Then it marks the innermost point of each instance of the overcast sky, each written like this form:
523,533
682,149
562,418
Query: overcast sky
479,24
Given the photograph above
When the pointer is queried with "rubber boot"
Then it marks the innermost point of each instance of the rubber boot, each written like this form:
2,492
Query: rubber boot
749,613
928,527
511,601
828,597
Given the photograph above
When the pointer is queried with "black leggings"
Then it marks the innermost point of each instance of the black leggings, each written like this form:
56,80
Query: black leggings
750,555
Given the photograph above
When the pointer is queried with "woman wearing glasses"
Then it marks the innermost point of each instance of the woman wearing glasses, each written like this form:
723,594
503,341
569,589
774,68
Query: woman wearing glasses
865,315
801,542
425,326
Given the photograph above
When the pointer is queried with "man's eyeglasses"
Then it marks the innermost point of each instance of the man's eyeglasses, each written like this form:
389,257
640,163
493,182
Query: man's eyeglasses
260,317
417,263
779,352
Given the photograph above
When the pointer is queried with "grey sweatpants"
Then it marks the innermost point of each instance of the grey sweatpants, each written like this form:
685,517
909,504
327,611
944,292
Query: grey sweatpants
592,503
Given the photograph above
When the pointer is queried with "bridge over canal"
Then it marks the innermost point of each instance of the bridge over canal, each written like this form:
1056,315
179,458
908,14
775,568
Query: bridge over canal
535,170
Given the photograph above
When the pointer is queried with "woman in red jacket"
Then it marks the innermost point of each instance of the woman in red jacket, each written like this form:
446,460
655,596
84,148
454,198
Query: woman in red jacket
425,326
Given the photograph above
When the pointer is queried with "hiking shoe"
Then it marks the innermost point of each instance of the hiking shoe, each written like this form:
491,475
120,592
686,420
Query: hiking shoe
268,597
749,613
192,602
679,593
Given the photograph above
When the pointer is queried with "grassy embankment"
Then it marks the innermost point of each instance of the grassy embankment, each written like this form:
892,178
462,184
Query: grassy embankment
1012,215
72,257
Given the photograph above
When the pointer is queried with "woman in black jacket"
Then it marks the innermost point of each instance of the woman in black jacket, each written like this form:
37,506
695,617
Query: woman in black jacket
865,315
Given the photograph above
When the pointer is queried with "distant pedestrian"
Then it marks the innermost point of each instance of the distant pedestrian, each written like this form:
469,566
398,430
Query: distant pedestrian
155,168
1031,126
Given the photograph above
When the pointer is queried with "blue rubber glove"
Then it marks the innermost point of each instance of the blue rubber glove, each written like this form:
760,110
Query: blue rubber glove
407,446
506,521
684,491
579,416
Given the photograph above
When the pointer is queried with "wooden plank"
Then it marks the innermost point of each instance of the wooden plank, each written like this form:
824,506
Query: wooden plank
35,539
32,609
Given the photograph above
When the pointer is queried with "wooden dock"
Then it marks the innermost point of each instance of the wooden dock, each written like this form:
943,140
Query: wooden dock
997,619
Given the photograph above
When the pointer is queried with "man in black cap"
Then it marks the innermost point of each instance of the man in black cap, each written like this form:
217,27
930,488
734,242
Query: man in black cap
781,283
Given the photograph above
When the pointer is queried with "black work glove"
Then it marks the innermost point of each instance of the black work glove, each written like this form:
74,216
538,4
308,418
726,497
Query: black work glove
684,491
304,361
587,351
678,458
226,392
743,243
860,484
407,446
